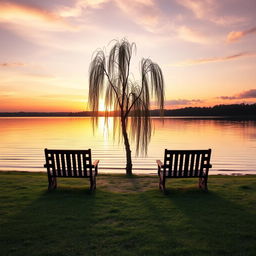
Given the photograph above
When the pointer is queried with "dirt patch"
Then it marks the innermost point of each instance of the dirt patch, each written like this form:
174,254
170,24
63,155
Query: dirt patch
126,184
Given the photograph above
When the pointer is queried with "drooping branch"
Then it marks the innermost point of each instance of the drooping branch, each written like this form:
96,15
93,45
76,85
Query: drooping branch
152,74
96,80
109,96
125,95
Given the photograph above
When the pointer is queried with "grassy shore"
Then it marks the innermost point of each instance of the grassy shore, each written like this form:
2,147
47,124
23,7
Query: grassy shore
127,216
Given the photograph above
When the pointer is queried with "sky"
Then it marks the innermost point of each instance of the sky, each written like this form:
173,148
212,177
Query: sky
206,49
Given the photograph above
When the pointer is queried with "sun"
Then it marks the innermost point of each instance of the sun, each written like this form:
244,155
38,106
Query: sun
102,106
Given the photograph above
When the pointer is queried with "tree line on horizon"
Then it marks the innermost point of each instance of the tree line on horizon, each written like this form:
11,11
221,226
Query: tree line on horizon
217,110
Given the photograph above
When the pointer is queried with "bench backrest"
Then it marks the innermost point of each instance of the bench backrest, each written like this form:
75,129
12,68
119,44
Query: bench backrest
68,163
187,163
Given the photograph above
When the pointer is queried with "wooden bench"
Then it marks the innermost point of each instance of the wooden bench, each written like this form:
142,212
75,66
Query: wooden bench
70,164
185,164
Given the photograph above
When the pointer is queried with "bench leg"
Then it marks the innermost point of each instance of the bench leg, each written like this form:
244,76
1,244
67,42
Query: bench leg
52,183
162,182
92,183
203,183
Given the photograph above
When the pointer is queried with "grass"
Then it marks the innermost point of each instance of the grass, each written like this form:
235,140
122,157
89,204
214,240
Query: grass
126,216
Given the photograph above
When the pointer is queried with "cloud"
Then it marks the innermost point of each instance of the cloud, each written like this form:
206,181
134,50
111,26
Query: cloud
143,12
80,5
209,10
250,94
191,35
217,59
236,35
12,64
199,8
228,97
182,102
29,16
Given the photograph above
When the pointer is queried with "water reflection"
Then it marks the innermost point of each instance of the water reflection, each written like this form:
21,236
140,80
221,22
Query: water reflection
23,141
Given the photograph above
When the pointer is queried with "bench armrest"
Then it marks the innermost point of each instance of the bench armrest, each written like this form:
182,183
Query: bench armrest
95,163
159,163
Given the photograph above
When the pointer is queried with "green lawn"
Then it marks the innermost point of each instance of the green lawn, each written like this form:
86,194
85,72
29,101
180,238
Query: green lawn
126,216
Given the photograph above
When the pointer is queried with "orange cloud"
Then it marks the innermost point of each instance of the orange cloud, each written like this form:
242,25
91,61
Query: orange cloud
236,35
191,35
217,59
12,64
32,17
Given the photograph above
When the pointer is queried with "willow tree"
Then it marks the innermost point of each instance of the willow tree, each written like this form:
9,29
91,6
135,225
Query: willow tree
109,78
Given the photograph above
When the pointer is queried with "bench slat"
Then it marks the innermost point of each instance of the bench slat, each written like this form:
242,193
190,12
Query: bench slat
170,165
57,157
53,164
175,169
79,165
84,165
197,165
69,165
63,166
192,161
181,164
187,156
74,164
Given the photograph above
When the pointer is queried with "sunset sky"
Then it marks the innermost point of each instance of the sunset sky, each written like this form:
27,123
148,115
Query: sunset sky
206,49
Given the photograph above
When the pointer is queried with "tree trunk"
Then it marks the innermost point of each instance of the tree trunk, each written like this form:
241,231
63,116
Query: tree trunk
127,148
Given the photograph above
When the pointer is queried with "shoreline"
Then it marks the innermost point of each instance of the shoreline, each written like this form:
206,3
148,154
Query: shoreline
232,173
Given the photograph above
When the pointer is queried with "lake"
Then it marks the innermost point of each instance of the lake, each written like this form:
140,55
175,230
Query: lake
23,140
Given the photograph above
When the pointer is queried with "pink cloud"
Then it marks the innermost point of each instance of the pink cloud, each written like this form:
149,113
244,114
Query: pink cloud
250,94
143,12
236,35
217,59
209,10
182,102
191,35
12,64
199,8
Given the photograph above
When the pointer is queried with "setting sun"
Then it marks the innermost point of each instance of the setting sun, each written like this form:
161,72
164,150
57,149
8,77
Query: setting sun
102,106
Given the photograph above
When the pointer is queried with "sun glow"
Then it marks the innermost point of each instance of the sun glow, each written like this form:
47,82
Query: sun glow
102,106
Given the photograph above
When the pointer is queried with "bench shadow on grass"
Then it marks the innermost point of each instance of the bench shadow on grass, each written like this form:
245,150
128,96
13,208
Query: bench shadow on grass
213,224
51,224
74,221
210,222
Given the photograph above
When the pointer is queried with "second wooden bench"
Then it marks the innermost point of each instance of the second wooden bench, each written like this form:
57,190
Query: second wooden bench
185,164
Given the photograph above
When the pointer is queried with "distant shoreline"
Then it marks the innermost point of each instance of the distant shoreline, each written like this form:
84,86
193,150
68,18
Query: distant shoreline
224,173
231,118
235,111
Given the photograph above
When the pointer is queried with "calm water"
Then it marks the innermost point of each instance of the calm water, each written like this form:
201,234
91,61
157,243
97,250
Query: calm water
24,139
